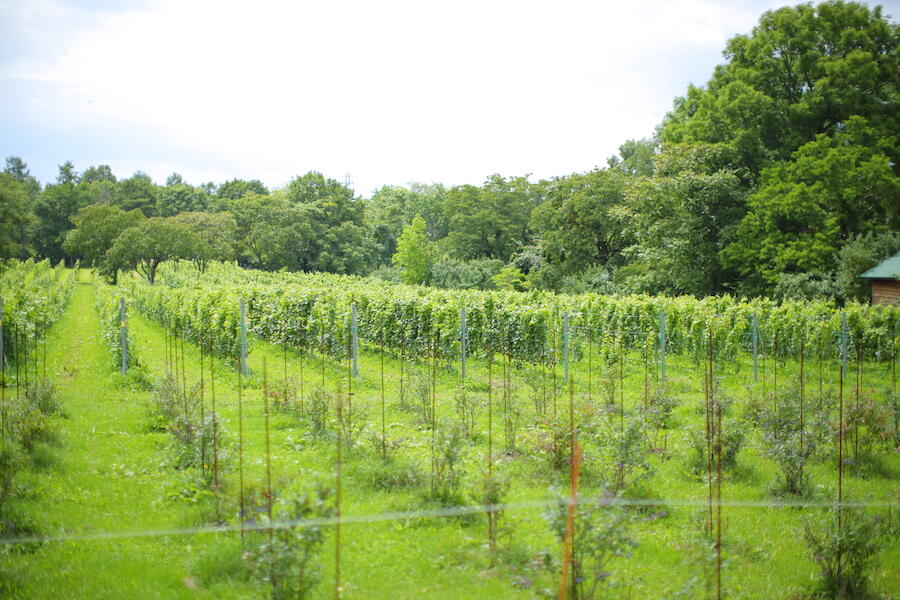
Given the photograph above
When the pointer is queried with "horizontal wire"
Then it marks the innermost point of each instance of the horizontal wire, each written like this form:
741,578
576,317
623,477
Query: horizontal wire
452,511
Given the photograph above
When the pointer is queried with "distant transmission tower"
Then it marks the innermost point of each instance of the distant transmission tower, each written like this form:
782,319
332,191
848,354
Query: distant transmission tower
348,180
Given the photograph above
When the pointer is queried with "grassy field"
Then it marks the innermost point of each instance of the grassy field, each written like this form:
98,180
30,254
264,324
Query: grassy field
124,515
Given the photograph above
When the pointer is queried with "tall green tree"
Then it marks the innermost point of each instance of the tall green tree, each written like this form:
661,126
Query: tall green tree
19,171
16,220
96,227
144,246
55,207
234,189
681,218
807,208
217,233
802,71
138,191
580,223
414,252
490,221
98,173
181,197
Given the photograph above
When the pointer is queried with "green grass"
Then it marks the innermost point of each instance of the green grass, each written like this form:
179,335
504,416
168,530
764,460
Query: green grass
110,474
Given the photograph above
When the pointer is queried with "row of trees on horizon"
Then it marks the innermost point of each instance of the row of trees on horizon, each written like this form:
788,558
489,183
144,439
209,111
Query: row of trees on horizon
779,177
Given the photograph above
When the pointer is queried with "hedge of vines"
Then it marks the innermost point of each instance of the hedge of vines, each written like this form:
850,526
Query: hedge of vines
106,299
313,311
34,295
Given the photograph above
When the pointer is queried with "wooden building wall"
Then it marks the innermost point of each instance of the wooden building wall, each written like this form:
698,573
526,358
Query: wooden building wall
885,291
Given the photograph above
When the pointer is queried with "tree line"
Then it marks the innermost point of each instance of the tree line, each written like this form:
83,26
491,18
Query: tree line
779,177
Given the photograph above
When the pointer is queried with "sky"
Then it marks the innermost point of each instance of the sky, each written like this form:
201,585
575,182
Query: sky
387,93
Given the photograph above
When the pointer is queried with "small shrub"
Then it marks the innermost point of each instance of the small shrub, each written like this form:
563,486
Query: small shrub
166,403
843,551
537,392
42,396
867,428
512,413
732,441
466,405
353,423
491,490
779,421
448,458
601,533
11,462
318,411
421,394
549,441
29,426
623,453
289,563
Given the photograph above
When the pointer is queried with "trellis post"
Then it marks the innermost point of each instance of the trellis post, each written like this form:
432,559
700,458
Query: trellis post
123,342
566,344
243,338
463,340
354,346
662,347
754,333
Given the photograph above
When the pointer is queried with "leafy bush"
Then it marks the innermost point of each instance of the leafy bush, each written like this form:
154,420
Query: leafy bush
166,403
389,474
622,453
843,544
601,533
732,441
868,426
467,405
464,274
448,463
549,441
42,395
318,411
289,563
779,420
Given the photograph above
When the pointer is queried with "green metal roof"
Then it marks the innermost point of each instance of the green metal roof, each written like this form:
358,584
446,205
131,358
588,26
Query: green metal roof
888,269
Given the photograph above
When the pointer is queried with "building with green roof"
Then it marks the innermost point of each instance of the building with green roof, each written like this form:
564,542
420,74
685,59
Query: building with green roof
885,280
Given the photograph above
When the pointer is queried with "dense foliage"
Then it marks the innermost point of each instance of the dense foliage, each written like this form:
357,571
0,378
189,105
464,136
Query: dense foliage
313,311
754,184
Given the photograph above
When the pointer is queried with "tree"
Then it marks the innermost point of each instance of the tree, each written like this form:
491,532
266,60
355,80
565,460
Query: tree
217,233
393,207
54,208
635,157
414,252
97,174
138,191
803,71
681,219
579,223
67,174
235,189
96,227
858,255
174,179
176,198
491,221
16,220
510,278
144,246
834,187
18,170
315,187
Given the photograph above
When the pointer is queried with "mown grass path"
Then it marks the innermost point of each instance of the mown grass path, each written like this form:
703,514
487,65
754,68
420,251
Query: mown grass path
104,475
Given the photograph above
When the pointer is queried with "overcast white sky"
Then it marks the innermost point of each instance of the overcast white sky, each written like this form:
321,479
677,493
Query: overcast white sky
390,92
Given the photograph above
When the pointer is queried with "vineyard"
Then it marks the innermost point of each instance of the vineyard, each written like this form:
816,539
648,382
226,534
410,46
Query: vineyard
296,435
